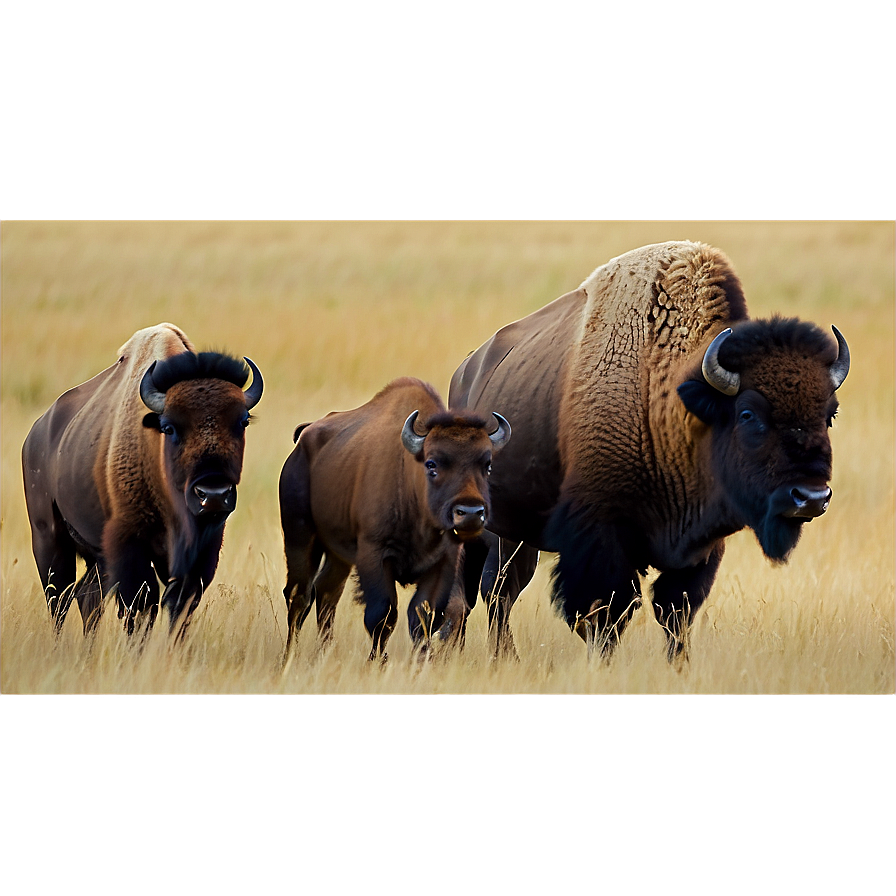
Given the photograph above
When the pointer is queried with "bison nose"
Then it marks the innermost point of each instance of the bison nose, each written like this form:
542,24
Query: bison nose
215,498
468,516
809,503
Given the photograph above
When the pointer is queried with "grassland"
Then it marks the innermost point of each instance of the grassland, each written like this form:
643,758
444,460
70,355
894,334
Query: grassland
331,312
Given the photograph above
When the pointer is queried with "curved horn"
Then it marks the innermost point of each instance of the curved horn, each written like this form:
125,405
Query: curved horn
409,438
724,381
151,396
253,393
840,367
500,436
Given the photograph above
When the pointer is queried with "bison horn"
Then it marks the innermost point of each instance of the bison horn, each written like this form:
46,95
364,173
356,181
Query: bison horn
253,393
840,367
500,436
151,396
724,381
409,438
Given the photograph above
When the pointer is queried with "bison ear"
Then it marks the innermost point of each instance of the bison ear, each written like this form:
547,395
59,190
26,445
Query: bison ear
151,421
703,401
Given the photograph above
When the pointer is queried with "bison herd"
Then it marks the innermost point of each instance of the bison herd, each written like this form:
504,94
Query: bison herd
651,419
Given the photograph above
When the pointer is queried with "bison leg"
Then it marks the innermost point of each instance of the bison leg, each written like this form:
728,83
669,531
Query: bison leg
180,598
131,573
426,610
464,592
596,585
509,568
328,586
89,595
303,556
473,555
55,555
300,542
379,597
454,623
678,594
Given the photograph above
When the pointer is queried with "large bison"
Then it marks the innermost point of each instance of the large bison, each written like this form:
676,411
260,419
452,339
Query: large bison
369,488
651,420
136,471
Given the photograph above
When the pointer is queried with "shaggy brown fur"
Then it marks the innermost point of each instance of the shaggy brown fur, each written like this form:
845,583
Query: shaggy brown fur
624,457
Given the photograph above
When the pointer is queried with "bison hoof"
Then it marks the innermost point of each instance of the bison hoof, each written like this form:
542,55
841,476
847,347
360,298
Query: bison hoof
444,633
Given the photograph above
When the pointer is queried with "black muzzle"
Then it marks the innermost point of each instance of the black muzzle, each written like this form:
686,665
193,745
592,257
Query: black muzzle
468,520
210,497
807,503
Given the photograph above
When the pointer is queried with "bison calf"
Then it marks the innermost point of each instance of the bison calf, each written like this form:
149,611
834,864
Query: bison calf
365,488
136,471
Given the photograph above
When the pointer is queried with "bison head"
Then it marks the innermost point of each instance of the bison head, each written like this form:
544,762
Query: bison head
199,407
456,453
767,392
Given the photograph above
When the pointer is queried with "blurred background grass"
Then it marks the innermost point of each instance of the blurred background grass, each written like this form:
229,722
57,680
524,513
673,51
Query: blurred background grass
331,311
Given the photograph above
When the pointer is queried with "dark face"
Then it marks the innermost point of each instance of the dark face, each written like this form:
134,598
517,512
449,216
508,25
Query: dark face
203,426
771,450
457,461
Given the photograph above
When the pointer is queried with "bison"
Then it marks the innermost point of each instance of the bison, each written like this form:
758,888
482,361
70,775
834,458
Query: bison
652,419
136,471
369,488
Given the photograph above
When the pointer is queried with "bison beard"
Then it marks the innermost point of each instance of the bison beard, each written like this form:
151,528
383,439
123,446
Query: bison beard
776,533
778,536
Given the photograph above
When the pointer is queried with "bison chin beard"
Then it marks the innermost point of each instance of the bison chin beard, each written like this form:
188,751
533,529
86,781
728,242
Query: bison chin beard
778,536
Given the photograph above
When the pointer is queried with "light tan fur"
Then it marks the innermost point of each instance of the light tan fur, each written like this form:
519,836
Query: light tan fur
647,314
123,467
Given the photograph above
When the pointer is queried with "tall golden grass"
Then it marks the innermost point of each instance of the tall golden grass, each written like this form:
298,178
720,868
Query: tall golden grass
331,312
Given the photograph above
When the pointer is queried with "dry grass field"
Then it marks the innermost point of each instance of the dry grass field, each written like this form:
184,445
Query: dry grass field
331,312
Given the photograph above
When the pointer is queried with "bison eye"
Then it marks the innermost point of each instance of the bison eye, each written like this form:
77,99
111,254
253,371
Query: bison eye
752,422
167,429
430,468
488,470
